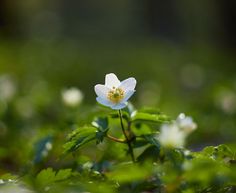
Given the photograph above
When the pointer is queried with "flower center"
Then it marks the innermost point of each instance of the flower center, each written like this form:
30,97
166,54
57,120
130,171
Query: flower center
115,95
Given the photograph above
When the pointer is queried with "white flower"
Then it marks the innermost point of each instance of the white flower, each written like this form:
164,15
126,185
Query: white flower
114,93
72,97
186,123
226,101
171,136
7,87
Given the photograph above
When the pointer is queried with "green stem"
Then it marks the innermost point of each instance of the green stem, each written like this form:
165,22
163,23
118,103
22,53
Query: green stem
116,139
126,137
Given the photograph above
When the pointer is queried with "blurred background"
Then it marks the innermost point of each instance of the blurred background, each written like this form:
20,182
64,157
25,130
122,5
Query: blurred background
182,54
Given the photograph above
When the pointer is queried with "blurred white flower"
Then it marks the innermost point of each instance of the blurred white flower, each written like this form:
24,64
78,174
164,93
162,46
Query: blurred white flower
192,76
186,123
72,97
44,153
48,146
150,95
114,93
226,101
7,87
171,136
3,129
25,107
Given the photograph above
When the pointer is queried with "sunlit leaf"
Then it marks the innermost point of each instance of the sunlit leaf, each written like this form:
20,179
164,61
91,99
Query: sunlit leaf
147,117
45,177
152,140
140,129
63,174
150,153
79,137
49,176
101,123
129,172
220,152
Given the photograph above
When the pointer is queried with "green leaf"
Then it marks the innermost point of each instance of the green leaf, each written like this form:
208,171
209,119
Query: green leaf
45,177
8,176
150,153
79,137
140,129
148,117
140,143
48,176
224,151
129,172
150,110
219,152
152,140
63,174
100,136
206,171
176,156
101,123
125,115
208,150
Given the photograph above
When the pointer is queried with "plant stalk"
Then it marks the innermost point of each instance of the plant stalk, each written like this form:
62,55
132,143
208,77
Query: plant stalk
116,139
127,138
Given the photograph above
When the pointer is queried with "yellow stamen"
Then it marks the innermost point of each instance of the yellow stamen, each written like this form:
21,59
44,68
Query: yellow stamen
115,95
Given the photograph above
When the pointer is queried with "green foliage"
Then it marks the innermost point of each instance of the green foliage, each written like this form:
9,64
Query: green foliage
135,173
8,177
220,152
149,117
156,169
101,123
151,152
79,137
99,154
49,176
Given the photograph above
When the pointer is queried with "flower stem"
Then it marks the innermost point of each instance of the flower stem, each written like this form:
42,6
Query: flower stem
116,139
126,137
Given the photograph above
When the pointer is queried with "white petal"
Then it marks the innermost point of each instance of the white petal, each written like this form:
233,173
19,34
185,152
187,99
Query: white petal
171,136
104,102
128,84
101,91
128,94
111,80
119,106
